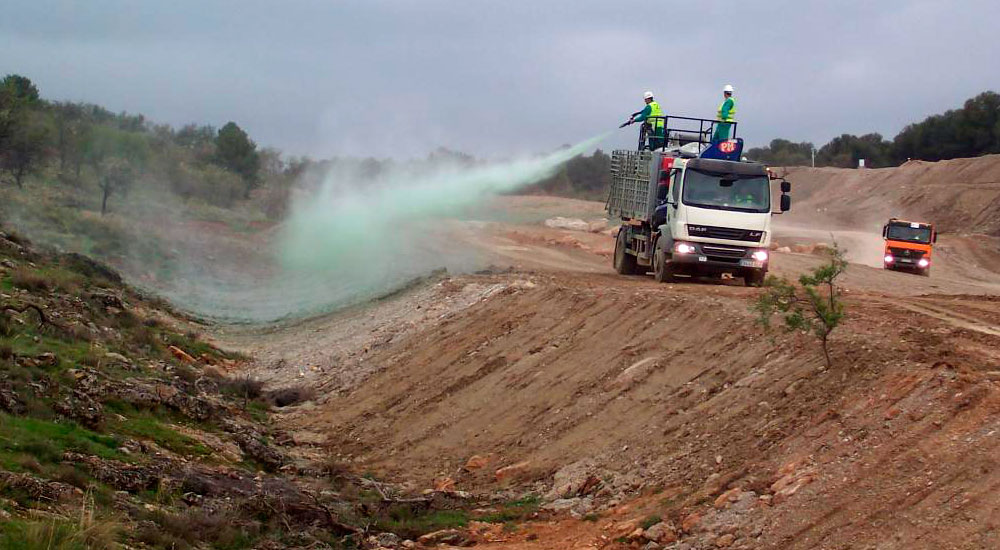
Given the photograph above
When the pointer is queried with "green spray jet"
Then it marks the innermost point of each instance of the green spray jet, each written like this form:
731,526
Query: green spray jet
348,224
355,239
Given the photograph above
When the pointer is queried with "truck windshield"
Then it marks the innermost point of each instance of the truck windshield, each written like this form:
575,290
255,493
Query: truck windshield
908,233
727,191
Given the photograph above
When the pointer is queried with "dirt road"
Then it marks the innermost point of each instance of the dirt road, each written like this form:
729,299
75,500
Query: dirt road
620,399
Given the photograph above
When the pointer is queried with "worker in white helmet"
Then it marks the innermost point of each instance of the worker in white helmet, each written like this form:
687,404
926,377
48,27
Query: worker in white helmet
726,115
652,116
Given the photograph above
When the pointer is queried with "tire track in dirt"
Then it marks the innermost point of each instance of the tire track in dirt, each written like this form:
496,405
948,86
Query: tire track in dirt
945,314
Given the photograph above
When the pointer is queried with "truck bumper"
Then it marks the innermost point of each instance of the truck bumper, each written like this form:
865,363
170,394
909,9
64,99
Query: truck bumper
711,258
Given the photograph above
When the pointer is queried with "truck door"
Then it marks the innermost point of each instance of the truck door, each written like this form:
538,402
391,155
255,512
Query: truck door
675,192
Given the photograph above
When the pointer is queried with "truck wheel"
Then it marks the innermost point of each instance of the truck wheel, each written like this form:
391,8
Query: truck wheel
926,272
624,262
663,270
754,277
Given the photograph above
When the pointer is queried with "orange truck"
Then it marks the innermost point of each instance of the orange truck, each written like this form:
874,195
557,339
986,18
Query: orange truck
908,245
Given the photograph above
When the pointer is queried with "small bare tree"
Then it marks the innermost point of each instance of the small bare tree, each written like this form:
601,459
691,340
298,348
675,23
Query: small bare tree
814,306
116,157
114,176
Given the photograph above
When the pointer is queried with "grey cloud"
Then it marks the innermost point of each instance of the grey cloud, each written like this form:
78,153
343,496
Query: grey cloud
398,78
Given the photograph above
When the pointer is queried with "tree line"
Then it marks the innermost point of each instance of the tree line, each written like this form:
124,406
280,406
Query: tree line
92,149
89,147
970,131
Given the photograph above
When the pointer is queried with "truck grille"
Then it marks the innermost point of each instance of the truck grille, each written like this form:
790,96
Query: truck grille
727,233
906,253
723,251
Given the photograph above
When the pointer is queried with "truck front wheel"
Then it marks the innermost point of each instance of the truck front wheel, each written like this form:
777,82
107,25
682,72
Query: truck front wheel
663,270
624,262
754,277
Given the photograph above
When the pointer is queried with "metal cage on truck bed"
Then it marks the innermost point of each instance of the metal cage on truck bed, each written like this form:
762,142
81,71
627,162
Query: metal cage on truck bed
631,194
681,130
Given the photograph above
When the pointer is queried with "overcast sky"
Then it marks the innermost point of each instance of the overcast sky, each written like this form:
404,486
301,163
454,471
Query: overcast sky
495,78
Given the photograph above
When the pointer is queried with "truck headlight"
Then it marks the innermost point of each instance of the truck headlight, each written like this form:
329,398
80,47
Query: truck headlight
889,259
760,255
684,248
923,262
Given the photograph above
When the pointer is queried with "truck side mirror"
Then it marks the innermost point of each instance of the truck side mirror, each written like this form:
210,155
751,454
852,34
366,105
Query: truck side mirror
885,230
785,186
934,237
786,203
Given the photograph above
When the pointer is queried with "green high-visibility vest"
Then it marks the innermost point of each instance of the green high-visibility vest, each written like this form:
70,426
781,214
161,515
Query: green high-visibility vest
732,110
655,110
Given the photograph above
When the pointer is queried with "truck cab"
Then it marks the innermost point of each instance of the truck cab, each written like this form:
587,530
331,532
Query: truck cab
685,214
908,246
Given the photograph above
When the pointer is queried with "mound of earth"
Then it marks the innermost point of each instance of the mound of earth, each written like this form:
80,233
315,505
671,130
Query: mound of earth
959,196
597,390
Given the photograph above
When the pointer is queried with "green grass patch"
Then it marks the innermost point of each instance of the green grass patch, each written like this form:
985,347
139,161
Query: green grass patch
47,440
516,510
650,521
47,279
409,523
59,535
258,410
148,424
69,352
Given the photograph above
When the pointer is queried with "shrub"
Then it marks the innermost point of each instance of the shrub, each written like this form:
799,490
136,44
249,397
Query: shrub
6,327
145,339
816,308
30,280
68,473
220,529
292,395
35,280
243,387
650,521
89,533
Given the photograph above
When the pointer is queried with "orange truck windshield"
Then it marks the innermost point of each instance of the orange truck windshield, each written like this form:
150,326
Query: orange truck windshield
909,233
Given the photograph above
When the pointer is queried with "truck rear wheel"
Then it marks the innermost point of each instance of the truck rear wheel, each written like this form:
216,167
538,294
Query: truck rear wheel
754,277
663,270
623,261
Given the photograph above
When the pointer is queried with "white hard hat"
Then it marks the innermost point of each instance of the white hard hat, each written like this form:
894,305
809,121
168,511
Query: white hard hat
728,88
647,95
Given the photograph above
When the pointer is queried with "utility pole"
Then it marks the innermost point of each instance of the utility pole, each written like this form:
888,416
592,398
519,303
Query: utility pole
814,157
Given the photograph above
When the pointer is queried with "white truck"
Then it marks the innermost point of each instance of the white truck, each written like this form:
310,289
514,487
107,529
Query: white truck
684,212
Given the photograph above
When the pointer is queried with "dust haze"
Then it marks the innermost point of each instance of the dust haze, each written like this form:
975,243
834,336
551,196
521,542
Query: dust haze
352,240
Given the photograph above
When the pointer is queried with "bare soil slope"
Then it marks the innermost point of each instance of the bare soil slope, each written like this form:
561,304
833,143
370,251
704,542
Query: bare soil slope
960,196
655,387
620,399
